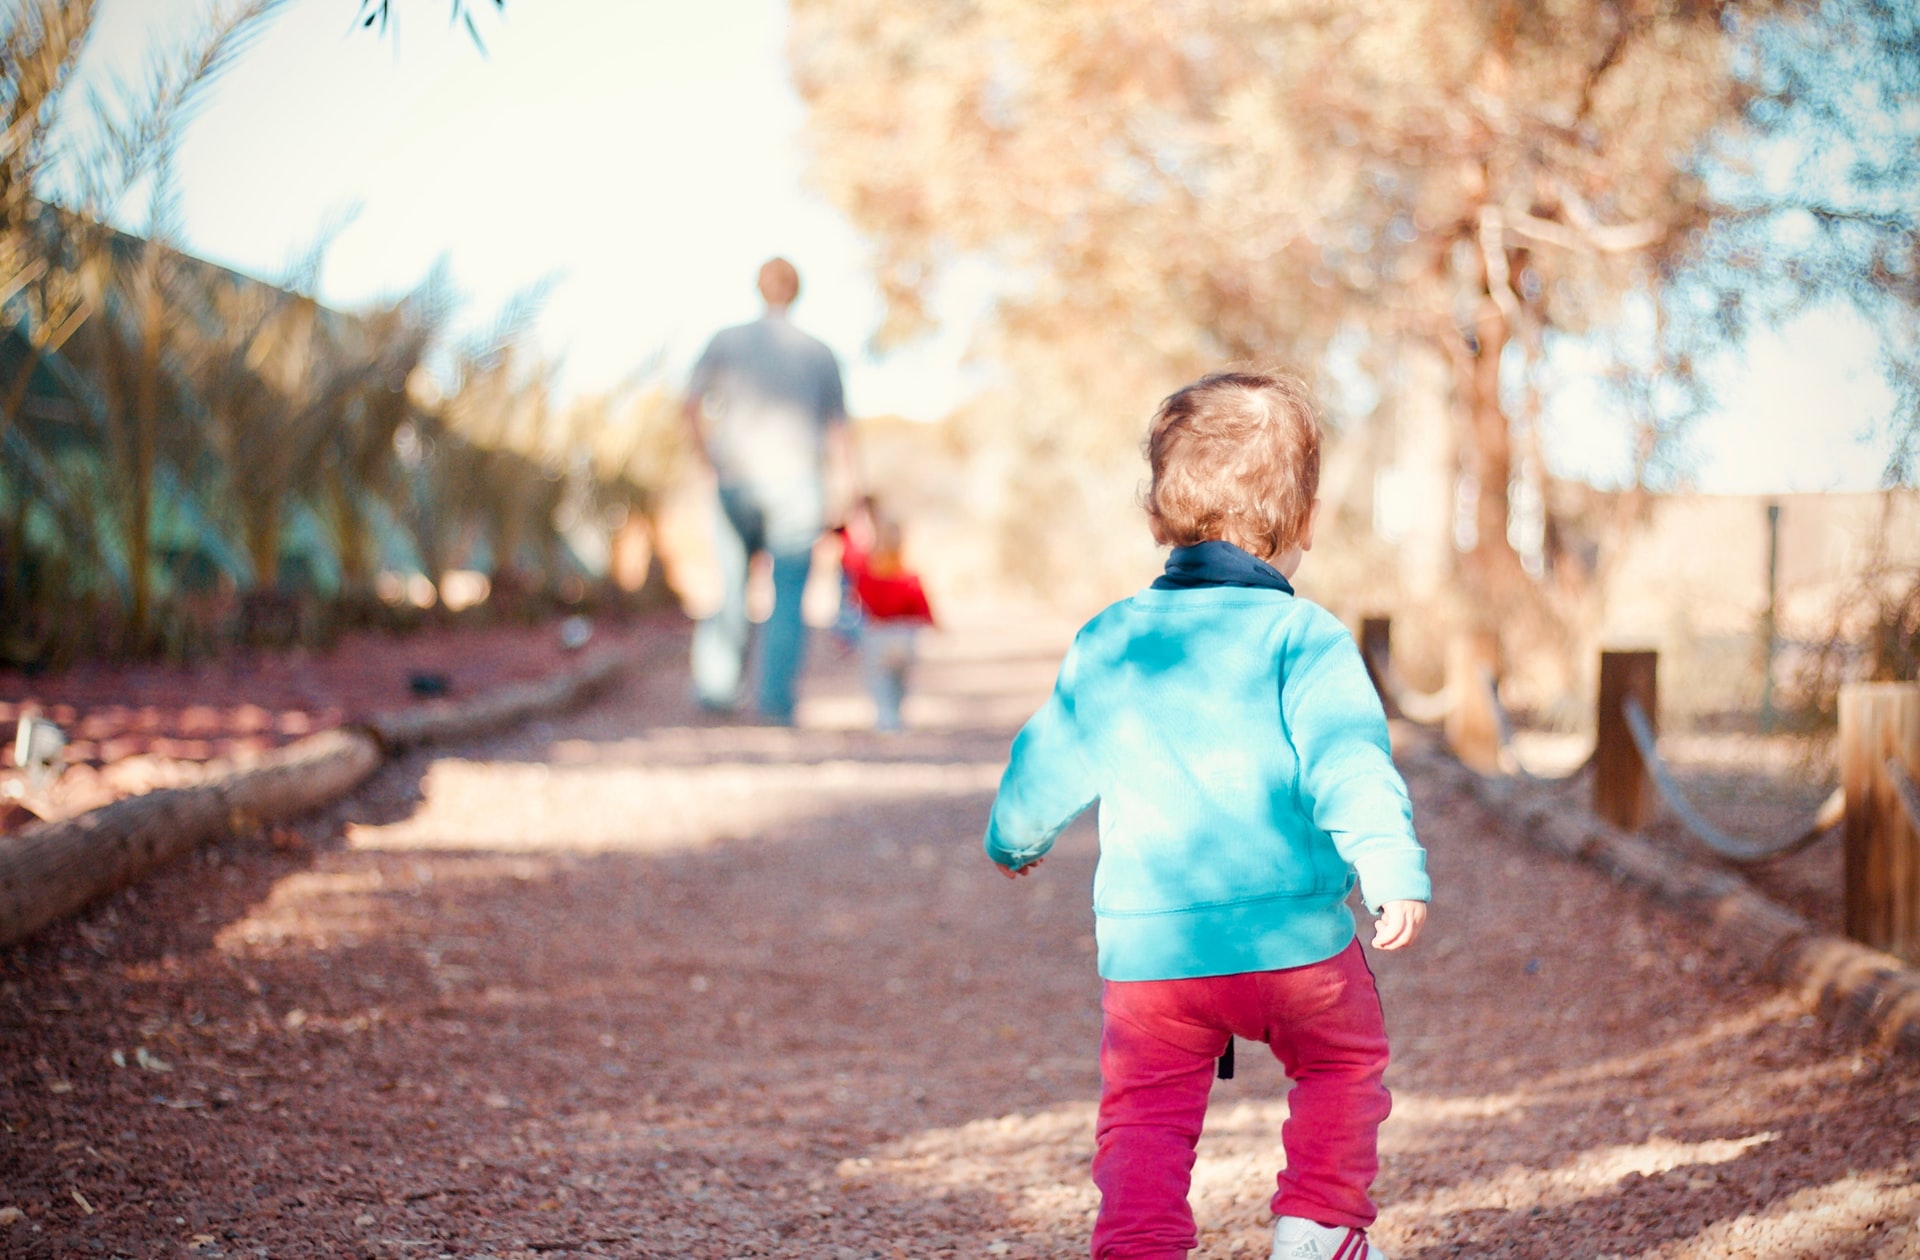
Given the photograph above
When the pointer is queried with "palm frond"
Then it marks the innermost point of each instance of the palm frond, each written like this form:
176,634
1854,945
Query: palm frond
148,117
39,47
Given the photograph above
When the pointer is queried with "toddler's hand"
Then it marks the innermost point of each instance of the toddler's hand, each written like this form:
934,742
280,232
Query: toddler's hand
1016,872
1400,924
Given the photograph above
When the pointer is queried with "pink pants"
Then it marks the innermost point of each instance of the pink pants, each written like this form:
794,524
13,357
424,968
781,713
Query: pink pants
1157,1050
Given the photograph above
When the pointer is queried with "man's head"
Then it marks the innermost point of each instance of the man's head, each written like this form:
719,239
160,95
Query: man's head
779,283
1235,456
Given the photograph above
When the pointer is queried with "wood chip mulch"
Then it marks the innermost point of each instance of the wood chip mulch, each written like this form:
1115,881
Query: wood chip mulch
135,726
635,982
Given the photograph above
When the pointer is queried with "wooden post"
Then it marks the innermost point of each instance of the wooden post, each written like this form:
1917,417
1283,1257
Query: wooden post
1472,730
1376,649
1622,791
1882,849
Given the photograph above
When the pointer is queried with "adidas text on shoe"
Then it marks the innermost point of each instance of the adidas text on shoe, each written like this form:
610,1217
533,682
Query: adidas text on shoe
1296,1238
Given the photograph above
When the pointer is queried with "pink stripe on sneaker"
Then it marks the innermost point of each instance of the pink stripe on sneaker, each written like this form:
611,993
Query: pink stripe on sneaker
1354,1247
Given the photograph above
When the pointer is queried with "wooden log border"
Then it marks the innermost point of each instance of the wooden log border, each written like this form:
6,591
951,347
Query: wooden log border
50,870
1860,991
441,721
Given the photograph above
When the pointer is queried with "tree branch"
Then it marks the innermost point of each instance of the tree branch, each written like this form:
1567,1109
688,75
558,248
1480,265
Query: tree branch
1624,238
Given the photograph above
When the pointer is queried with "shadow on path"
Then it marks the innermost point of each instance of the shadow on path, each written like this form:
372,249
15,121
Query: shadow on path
631,983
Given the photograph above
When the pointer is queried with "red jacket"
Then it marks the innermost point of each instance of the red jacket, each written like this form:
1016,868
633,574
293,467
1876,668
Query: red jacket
892,597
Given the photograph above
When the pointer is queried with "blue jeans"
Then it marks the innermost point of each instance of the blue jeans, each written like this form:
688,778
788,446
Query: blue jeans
784,521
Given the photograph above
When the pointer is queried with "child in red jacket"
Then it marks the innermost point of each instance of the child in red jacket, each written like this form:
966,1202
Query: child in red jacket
893,609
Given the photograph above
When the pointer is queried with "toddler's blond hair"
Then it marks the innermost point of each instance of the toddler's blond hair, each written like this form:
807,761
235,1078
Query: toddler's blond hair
1235,456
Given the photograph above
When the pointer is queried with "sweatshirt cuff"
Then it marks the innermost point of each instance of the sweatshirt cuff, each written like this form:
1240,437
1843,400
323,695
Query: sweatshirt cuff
1004,854
1396,880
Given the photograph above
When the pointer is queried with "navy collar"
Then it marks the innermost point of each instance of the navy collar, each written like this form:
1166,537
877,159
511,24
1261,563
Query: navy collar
1218,563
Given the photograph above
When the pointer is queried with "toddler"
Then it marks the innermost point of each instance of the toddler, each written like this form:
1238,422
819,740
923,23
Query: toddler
892,605
1239,754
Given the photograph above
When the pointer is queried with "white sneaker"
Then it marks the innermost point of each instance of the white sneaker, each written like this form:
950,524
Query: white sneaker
1297,1238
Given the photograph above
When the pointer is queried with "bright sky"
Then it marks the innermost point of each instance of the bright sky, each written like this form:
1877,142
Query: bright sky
647,157
1802,408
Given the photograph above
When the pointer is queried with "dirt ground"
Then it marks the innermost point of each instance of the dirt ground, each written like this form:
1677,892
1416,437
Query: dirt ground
634,982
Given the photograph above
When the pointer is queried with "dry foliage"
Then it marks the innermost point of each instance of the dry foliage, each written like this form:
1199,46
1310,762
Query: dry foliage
1874,636
1422,196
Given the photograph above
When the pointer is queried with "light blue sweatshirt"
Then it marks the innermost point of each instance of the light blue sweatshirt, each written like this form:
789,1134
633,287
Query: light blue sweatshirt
1239,755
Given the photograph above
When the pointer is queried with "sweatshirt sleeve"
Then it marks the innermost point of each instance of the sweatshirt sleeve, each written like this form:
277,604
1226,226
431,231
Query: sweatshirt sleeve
1047,783
1347,778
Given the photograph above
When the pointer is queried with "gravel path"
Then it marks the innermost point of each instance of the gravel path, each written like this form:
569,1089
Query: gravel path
634,983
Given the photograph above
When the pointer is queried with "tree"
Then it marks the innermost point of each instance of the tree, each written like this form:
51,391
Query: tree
358,466
66,275
39,45
1178,185
1818,194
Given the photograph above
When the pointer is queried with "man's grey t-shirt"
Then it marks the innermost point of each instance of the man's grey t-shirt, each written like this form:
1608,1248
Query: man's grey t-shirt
767,394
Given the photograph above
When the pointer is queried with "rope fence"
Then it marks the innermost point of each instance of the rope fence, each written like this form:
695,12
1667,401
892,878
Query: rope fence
1876,809
1508,753
1428,708
1432,708
1831,814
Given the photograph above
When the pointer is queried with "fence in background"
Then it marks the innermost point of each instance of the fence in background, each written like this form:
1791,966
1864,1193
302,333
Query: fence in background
1877,804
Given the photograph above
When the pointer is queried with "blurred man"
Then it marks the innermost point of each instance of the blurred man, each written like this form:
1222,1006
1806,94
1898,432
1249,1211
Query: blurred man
767,410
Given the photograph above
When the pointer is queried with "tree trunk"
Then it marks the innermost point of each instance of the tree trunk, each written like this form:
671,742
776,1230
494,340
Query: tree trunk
1498,575
263,514
16,395
1499,594
350,533
146,423
1472,727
